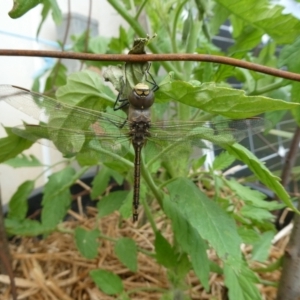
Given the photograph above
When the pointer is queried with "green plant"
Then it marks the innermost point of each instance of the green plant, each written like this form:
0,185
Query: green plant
181,26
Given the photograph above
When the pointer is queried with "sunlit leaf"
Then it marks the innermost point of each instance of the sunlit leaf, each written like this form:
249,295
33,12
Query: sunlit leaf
21,7
111,202
108,282
257,214
261,171
18,204
261,248
25,227
57,197
206,217
248,235
223,161
231,103
12,145
100,182
87,242
23,161
254,197
284,28
86,89
190,241
126,251
165,254
241,281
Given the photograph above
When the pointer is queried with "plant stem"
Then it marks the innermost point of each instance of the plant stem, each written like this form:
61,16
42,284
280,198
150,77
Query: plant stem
269,88
148,214
52,166
191,46
150,182
125,161
140,9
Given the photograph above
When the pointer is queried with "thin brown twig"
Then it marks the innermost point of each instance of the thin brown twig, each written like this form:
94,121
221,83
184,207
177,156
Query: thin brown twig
154,57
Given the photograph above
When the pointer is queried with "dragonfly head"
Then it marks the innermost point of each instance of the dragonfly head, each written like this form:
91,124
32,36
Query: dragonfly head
141,97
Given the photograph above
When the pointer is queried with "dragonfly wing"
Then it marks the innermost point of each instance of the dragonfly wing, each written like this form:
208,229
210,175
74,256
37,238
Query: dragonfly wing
70,128
53,112
172,139
71,142
224,132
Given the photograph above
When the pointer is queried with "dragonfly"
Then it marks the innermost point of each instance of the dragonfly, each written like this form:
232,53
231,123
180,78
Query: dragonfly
73,129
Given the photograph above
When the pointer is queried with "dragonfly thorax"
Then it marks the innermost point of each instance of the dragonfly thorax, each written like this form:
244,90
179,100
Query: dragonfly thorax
141,96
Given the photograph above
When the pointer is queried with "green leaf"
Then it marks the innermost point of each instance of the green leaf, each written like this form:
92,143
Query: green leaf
258,214
108,282
165,254
248,235
100,182
206,217
87,157
248,39
98,44
215,23
126,251
262,173
25,227
183,266
56,12
57,77
223,161
198,163
261,247
57,197
86,89
87,242
240,281
12,145
263,15
44,14
289,56
23,161
220,100
21,7
18,204
111,202
252,196
190,241
126,207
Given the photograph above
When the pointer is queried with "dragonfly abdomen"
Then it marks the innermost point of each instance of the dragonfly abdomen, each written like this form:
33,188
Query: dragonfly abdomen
139,132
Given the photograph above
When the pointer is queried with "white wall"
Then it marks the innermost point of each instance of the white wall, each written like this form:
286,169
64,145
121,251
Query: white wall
20,34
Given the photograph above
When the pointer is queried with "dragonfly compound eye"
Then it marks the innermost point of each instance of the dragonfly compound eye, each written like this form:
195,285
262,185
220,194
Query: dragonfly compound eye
142,89
141,97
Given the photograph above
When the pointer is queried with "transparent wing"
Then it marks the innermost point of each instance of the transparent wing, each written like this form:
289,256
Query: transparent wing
224,132
72,128
53,112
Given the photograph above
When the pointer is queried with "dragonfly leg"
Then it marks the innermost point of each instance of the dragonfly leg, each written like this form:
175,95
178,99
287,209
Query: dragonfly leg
155,86
123,124
124,103
121,103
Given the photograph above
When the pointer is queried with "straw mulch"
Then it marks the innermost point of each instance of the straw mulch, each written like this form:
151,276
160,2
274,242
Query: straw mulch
52,268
